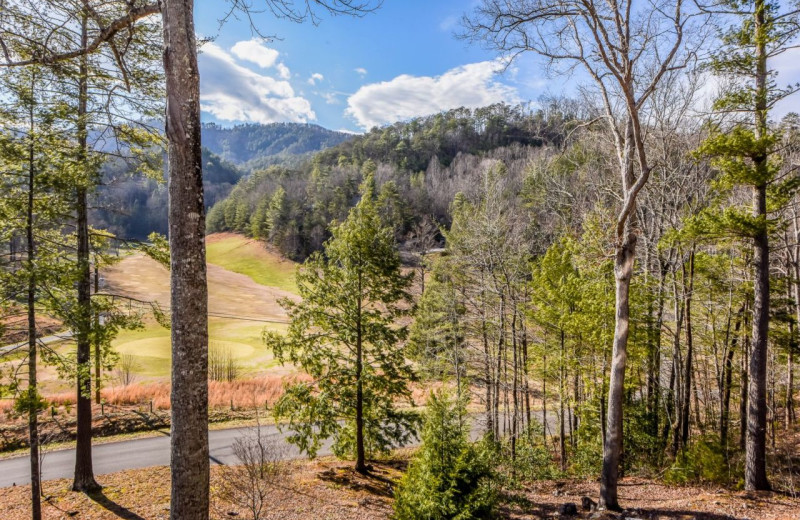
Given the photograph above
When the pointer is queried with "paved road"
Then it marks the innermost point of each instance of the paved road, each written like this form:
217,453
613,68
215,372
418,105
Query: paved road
132,454
154,451
61,336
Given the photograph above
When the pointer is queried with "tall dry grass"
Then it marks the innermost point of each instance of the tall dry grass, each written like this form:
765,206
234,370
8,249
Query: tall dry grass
245,393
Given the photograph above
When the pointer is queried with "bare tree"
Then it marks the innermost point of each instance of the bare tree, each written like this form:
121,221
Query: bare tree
126,368
261,467
626,50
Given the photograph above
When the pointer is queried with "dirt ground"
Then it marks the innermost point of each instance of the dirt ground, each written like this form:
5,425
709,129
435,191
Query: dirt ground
329,490
644,499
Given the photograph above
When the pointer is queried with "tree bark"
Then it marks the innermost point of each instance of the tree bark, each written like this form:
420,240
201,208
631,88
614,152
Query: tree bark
84,474
188,289
756,458
756,442
361,464
33,417
612,447
687,375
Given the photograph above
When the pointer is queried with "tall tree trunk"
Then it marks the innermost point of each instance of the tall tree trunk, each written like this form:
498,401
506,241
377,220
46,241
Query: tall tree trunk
33,412
612,447
361,465
562,442
756,457
84,473
727,382
687,376
188,289
743,388
97,351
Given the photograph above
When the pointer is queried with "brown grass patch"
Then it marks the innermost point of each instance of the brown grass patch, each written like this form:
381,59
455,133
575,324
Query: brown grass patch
246,393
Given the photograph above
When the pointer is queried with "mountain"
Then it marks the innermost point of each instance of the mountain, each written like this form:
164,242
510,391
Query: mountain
419,165
253,146
132,206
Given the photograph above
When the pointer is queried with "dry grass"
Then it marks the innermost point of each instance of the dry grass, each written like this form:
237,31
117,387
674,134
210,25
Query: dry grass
236,394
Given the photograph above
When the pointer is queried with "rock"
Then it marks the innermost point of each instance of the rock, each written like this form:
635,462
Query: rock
588,504
568,509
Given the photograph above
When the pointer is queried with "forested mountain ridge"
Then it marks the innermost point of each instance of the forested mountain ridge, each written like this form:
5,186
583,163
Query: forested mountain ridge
132,205
253,146
419,165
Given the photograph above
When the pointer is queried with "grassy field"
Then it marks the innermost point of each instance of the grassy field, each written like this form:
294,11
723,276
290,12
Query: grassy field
245,256
151,351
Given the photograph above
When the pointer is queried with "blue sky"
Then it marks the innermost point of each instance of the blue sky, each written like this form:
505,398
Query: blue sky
351,73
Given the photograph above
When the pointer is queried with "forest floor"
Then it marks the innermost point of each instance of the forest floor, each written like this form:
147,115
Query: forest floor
330,489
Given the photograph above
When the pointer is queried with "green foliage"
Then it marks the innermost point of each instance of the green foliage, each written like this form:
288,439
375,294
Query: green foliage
703,461
532,461
344,333
449,478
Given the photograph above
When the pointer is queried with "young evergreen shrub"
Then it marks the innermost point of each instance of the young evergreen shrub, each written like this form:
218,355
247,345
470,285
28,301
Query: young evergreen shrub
702,461
449,478
533,460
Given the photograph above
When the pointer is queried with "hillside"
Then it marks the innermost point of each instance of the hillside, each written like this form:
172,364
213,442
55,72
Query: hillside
132,206
254,146
420,166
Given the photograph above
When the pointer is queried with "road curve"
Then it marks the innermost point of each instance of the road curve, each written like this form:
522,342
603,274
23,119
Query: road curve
113,457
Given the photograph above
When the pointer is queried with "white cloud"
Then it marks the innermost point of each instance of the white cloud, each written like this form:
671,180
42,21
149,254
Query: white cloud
232,92
315,77
361,71
331,98
473,85
256,52
283,71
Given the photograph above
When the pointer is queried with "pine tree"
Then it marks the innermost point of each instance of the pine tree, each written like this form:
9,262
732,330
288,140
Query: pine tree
345,335
746,155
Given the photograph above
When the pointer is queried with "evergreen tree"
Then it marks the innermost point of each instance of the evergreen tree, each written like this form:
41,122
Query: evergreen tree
746,155
449,478
344,334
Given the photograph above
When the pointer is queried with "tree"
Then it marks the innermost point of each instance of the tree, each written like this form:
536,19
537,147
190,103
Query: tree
344,334
627,51
746,155
449,477
35,175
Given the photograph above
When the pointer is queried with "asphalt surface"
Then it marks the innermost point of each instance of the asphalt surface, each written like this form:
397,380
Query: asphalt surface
46,340
155,451
135,453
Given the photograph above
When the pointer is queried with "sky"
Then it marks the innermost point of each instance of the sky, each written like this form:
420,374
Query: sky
351,74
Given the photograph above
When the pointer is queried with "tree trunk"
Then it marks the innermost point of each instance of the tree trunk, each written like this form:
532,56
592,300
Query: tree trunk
84,473
687,375
756,445
188,289
612,447
756,458
562,442
361,464
33,417
97,351
727,383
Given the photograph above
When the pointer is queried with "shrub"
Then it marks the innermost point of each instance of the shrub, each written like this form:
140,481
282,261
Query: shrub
702,461
449,478
261,467
533,458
